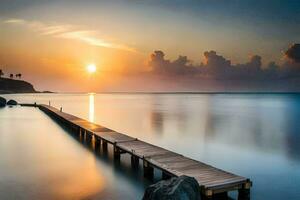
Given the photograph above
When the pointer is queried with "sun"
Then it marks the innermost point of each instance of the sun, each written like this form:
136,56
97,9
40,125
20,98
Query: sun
91,68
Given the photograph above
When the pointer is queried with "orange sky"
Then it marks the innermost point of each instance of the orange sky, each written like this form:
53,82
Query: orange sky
51,43
35,54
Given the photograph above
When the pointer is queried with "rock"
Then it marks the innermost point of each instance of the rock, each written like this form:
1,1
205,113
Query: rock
12,103
2,102
176,188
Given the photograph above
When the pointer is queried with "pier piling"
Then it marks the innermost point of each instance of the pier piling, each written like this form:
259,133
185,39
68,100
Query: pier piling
148,170
104,146
244,192
135,162
117,153
97,143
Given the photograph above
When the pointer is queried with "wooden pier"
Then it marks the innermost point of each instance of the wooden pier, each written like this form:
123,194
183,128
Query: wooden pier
212,181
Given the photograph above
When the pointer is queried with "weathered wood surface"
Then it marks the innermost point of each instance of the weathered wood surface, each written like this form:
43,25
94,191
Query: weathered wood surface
178,165
114,137
209,178
141,149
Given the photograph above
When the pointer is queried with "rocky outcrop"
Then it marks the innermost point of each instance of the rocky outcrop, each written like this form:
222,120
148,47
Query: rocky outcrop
2,102
15,86
12,103
176,188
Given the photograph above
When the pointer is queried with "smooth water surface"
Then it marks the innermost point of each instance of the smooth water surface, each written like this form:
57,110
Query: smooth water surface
253,135
40,160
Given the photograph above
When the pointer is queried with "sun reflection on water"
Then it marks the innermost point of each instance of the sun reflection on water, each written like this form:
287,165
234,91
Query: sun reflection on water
92,107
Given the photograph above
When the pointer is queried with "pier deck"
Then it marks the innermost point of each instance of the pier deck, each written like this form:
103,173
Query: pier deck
211,180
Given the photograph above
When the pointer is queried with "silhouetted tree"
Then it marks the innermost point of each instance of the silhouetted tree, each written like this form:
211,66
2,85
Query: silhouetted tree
20,76
1,73
11,75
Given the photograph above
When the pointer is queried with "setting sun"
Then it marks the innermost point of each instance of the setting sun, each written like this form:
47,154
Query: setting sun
91,68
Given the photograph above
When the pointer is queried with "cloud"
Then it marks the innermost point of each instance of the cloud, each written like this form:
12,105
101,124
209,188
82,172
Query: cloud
67,31
14,21
180,66
215,66
272,66
254,63
215,61
293,53
58,29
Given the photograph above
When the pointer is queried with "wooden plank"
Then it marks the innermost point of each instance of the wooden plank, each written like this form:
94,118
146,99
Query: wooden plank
206,175
78,121
227,186
234,182
114,137
210,179
90,126
142,149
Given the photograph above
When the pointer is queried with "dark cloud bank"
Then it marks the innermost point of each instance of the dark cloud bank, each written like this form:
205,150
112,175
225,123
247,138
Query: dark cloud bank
218,74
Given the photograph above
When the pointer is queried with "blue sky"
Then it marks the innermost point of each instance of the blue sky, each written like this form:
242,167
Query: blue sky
263,27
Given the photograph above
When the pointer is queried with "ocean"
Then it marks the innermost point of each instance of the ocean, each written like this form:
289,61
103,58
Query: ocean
252,135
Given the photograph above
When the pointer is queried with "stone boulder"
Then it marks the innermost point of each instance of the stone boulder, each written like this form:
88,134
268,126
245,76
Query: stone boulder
12,103
2,102
176,188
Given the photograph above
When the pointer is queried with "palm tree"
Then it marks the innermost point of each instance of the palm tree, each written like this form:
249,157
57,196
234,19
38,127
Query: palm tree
1,73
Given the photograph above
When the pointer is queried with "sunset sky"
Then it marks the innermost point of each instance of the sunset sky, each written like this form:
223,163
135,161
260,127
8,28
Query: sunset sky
52,42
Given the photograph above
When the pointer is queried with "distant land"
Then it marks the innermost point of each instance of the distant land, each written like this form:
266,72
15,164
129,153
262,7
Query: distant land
284,85
8,86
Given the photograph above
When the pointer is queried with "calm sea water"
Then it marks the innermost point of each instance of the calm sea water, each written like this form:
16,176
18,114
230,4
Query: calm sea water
256,136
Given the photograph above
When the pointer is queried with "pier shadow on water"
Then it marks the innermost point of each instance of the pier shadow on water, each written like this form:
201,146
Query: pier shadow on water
122,167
